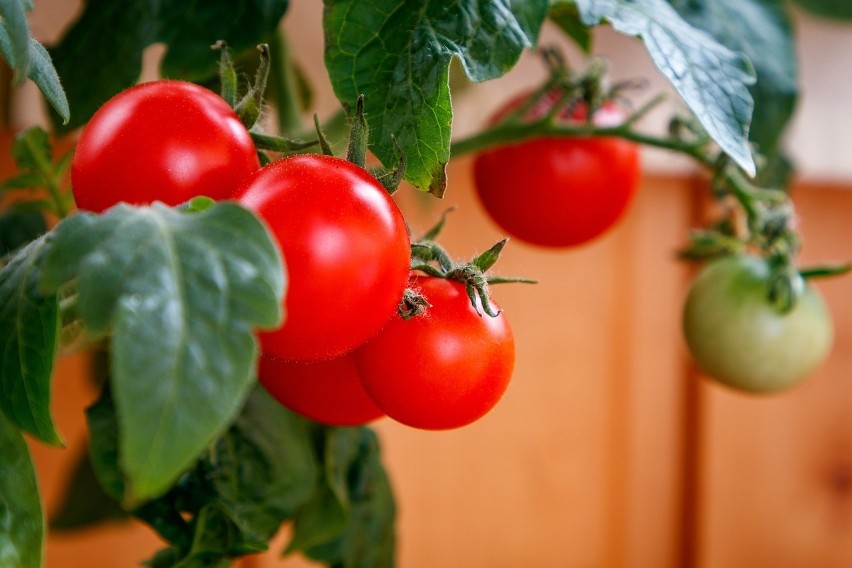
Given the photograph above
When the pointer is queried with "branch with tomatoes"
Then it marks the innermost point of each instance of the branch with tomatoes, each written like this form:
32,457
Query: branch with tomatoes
254,300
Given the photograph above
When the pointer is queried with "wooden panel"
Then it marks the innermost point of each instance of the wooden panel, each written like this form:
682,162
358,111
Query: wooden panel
777,477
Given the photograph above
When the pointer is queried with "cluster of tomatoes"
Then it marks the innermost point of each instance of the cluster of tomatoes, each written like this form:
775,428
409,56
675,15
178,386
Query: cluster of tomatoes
564,192
343,356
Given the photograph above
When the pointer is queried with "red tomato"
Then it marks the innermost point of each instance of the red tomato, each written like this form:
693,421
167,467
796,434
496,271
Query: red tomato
559,192
325,391
164,141
346,248
442,369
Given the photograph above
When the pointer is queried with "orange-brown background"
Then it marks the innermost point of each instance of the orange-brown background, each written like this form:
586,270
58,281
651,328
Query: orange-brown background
608,449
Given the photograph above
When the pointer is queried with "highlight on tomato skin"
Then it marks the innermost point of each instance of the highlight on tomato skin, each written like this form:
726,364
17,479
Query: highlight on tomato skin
329,392
346,248
738,338
164,141
443,369
559,192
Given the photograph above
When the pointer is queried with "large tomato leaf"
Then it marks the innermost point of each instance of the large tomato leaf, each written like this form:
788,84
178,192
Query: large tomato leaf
178,294
21,515
350,520
29,332
109,31
253,478
712,79
761,30
397,54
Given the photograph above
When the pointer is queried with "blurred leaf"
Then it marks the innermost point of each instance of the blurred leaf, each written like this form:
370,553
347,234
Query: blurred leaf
21,516
179,295
42,72
712,79
397,54
108,32
350,522
84,502
565,15
17,30
17,228
29,332
834,9
760,29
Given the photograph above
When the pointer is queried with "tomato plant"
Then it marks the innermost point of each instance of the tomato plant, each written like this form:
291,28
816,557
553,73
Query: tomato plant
739,338
346,248
296,269
558,192
164,141
327,391
441,369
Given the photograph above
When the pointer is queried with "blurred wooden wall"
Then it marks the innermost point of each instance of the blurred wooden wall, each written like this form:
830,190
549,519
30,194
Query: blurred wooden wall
608,450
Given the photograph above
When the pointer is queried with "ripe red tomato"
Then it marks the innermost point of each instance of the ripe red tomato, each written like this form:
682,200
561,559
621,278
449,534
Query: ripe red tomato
442,369
346,248
559,192
164,141
738,338
325,391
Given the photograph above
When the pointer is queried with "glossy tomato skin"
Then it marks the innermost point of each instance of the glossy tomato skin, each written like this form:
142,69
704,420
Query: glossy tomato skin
442,369
346,248
328,391
738,338
559,192
164,141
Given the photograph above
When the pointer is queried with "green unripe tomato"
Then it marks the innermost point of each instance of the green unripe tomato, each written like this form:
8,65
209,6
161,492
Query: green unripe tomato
740,339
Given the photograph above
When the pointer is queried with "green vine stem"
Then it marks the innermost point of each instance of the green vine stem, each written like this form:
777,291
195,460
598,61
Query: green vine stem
285,86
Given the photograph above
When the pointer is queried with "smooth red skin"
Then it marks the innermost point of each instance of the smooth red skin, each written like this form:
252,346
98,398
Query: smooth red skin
329,391
164,141
346,249
442,369
559,192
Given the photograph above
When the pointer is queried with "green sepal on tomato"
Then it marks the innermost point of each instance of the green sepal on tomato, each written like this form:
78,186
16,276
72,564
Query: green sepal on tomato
346,247
558,191
739,338
444,368
165,141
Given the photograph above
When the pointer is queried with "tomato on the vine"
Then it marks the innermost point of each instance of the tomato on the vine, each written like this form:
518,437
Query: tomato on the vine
740,339
346,248
559,192
328,391
444,368
164,141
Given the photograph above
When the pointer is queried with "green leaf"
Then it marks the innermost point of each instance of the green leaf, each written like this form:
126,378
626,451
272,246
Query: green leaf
761,30
178,294
264,468
31,149
567,18
21,516
834,9
711,79
397,54
356,476
29,324
84,502
17,29
42,72
109,31
17,228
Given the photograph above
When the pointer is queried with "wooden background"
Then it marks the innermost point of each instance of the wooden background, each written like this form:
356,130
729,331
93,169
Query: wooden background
607,450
